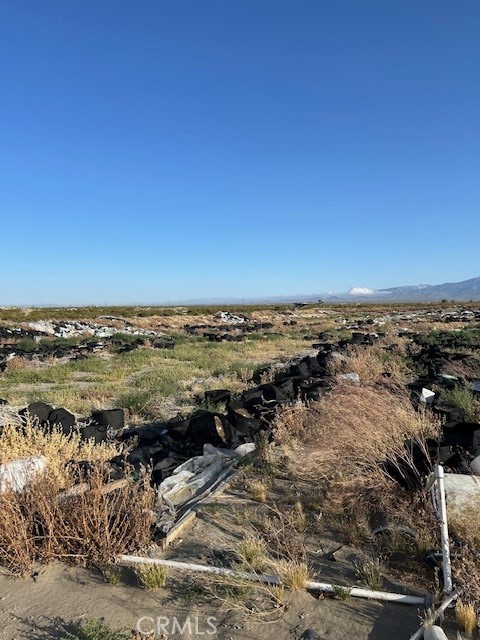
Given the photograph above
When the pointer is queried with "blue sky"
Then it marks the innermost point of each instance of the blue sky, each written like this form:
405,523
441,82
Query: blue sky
154,151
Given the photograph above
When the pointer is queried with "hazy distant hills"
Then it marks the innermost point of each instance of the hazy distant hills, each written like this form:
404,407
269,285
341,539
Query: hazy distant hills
465,290
460,291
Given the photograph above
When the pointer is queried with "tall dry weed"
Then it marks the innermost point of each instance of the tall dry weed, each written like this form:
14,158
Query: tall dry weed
466,561
42,524
382,361
351,443
366,362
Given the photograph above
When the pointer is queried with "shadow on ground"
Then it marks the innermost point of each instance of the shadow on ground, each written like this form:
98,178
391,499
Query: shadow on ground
53,628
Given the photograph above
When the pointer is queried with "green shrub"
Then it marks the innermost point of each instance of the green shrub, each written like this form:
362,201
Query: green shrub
152,576
27,345
98,630
463,399
136,401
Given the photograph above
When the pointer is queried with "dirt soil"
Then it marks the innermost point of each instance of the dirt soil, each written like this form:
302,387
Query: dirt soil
50,605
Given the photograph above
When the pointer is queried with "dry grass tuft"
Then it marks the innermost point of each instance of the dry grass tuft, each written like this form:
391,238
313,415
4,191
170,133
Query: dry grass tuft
112,574
466,563
21,442
293,573
258,490
350,432
17,363
292,424
297,517
373,362
252,553
466,616
466,528
366,362
350,443
152,576
370,571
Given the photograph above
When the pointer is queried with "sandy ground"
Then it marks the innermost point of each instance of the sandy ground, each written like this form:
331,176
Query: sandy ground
60,597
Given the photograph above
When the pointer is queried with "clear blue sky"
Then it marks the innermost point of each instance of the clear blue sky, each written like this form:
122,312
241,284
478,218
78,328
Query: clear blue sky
154,151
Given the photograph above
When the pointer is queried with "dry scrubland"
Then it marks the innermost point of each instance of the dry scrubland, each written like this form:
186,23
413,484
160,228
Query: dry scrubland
153,383
328,474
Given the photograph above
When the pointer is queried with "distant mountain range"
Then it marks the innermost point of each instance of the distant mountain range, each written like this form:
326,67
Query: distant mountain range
460,291
465,290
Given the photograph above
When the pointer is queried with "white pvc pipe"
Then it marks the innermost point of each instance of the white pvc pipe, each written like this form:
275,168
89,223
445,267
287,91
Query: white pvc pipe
367,593
442,512
315,586
199,568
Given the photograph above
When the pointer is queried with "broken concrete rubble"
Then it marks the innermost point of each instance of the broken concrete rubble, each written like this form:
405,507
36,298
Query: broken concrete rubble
226,316
73,340
70,329
15,475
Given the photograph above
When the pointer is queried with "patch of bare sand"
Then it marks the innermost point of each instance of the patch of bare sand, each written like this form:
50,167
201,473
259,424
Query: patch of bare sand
61,597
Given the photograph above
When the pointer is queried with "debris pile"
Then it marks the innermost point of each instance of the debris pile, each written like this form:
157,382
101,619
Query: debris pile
71,329
73,341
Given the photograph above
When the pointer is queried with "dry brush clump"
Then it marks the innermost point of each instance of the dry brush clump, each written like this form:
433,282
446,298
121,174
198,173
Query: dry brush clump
17,442
292,424
466,616
366,362
465,531
44,523
67,512
353,441
385,360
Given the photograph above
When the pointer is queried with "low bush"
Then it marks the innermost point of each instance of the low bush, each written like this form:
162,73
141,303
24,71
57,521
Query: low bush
152,576
98,630
43,524
463,399
351,442
17,443
52,520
